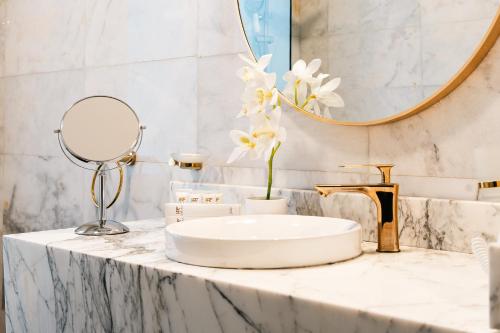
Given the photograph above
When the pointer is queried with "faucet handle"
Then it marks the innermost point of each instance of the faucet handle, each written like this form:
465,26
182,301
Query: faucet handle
385,170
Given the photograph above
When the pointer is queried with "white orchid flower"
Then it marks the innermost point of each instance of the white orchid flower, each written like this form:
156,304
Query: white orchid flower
264,124
298,78
263,137
261,64
304,72
316,81
257,99
262,106
267,130
324,94
296,91
245,144
255,71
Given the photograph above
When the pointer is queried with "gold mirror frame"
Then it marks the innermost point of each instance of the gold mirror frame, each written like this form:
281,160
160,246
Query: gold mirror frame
470,65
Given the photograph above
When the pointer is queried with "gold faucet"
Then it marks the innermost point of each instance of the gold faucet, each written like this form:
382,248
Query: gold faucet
385,197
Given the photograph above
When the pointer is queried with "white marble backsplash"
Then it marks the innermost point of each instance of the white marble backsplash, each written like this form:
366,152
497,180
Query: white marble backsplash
423,222
428,187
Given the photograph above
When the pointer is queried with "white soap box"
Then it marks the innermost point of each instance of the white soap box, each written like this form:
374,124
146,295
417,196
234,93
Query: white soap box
178,212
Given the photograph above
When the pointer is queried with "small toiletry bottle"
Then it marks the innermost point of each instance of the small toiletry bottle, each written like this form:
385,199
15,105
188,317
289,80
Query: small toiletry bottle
182,196
195,198
209,198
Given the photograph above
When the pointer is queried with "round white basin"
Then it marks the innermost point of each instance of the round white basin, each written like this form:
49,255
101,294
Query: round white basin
263,241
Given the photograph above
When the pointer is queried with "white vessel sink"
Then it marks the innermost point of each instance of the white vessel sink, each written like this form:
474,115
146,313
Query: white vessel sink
263,241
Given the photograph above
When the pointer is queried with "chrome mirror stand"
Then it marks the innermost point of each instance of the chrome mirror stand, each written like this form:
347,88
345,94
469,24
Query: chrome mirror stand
101,226
80,140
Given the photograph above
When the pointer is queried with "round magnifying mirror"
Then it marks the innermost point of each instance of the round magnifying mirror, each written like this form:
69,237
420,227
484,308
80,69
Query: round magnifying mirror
100,129
105,131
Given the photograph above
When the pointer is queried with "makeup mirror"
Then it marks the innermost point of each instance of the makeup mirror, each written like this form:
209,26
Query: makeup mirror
101,133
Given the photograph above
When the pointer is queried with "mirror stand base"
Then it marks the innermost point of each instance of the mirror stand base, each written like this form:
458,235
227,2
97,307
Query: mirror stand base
95,228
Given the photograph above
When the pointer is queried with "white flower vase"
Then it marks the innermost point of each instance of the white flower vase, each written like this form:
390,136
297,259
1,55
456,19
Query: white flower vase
261,206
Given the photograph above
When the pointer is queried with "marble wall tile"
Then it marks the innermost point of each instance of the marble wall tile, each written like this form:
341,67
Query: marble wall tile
130,31
32,107
430,187
434,187
163,94
296,52
430,90
313,47
297,179
3,22
218,104
362,15
43,36
41,193
452,139
441,40
219,30
384,58
317,146
446,224
3,97
489,194
382,102
313,17
445,11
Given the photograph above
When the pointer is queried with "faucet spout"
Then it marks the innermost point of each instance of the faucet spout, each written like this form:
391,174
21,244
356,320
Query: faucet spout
385,197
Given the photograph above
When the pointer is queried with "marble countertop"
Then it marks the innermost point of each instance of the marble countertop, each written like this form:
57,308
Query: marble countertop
422,290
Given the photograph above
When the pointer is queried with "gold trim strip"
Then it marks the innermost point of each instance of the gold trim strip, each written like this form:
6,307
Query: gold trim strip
185,165
491,184
480,52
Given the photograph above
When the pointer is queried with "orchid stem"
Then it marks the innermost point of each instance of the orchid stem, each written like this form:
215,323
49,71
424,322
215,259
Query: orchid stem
310,98
305,103
270,173
295,90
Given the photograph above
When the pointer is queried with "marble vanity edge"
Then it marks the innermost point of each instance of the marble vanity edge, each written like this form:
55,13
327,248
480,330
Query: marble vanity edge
218,293
439,224
494,295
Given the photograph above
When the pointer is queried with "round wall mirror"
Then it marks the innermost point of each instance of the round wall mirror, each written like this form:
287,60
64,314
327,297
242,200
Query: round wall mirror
394,57
101,133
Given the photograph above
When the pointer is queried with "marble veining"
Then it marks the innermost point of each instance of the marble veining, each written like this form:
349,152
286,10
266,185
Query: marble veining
423,222
431,187
494,275
57,281
389,53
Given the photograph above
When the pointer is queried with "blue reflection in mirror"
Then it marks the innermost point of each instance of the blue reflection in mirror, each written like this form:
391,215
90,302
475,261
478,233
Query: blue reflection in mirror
268,30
